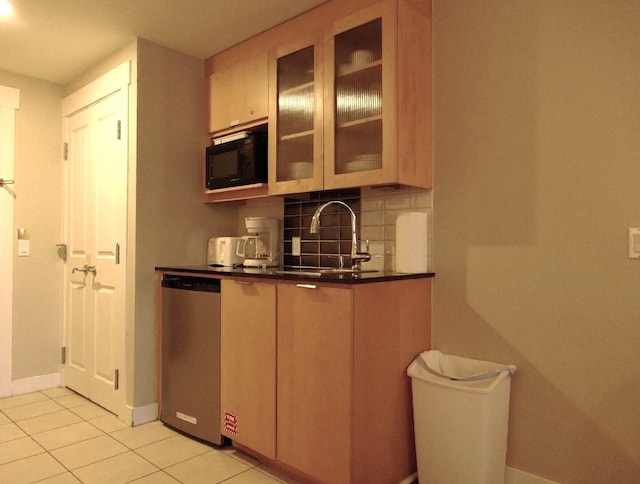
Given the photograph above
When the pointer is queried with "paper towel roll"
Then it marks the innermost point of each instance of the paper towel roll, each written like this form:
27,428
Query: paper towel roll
411,242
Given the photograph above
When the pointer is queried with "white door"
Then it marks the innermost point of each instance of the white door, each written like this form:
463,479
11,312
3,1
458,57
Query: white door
95,230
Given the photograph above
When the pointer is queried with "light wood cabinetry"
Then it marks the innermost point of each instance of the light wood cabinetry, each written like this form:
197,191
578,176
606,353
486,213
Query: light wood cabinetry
374,133
359,146
248,364
344,401
376,102
245,192
239,93
295,117
349,101
315,342
313,375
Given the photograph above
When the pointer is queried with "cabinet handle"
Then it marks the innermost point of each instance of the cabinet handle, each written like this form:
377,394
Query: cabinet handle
246,283
307,286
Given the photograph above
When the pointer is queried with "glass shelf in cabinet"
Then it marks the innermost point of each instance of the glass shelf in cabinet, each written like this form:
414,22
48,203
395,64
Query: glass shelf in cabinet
360,121
293,136
346,70
293,90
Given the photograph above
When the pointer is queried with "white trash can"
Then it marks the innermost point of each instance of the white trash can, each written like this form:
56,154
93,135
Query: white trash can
460,414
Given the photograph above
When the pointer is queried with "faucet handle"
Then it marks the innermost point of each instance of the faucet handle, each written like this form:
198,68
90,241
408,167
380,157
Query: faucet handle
359,257
366,249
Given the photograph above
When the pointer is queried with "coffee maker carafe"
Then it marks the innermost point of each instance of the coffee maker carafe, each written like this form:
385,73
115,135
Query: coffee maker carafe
261,248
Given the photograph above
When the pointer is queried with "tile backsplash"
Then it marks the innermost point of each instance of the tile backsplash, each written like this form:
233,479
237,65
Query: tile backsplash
334,236
380,208
376,209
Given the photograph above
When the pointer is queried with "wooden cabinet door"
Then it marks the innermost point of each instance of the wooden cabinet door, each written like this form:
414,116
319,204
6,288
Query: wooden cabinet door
248,359
295,117
391,326
315,355
239,94
360,93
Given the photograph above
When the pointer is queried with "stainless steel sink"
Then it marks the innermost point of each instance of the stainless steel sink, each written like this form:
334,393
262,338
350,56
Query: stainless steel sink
294,272
346,271
323,272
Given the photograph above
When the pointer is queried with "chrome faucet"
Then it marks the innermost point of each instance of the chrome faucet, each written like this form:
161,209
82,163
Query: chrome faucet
357,257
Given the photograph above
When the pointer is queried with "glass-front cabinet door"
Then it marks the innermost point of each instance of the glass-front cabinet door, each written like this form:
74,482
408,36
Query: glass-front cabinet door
359,96
295,146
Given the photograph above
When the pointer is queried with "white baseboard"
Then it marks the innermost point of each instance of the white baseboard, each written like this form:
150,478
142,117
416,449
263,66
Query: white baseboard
36,383
511,476
514,476
140,415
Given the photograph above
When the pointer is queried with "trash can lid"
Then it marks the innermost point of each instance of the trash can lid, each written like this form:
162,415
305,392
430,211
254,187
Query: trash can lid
456,368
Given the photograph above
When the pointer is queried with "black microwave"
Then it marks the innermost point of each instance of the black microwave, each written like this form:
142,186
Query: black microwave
237,159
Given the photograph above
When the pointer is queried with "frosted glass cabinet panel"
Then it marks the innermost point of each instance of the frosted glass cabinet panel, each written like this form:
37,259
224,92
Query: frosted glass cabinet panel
295,157
295,115
358,101
349,105
360,110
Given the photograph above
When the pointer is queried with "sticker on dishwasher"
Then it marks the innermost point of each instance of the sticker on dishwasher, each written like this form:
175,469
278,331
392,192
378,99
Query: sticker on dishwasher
186,418
231,423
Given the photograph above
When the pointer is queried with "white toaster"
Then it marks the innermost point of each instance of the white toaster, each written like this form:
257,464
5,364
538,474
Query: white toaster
221,251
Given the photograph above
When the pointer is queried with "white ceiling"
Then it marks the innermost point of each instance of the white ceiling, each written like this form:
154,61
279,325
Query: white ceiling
57,40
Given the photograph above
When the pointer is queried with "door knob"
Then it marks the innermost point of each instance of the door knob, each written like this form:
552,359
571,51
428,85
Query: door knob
85,269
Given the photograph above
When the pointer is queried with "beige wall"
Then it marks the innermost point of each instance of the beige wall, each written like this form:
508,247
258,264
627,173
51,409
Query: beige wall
37,281
537,177
168,224
172,223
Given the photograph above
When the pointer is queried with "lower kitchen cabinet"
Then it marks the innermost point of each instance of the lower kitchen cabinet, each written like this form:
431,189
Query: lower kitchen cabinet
344,401
315,343
248,364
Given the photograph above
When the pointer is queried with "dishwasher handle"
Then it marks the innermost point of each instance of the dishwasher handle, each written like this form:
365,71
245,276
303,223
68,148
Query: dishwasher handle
191,283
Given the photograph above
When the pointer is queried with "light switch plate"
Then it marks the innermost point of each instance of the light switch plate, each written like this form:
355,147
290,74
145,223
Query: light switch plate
295,245
634,242
24,248
24,244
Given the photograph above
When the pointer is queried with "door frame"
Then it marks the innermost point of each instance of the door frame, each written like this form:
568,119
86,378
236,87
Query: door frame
9,103
117,79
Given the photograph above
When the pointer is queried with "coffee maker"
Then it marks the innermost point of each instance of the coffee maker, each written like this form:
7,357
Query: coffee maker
261,248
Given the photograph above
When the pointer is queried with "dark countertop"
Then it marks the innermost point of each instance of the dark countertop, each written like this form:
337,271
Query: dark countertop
293,275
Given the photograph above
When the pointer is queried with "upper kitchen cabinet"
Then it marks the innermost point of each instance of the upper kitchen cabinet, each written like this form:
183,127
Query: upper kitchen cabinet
347,95
295,118
238,92
377,91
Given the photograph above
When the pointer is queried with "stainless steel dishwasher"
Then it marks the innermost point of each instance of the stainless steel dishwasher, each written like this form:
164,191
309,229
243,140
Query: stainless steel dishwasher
191,356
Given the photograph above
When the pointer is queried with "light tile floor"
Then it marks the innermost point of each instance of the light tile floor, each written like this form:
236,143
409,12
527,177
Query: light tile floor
58,437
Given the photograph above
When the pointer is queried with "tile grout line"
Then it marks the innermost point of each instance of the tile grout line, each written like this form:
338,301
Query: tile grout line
47,451
128,447
101,433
